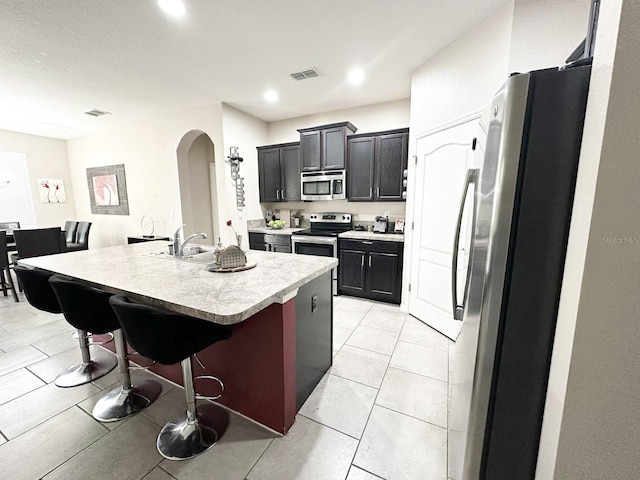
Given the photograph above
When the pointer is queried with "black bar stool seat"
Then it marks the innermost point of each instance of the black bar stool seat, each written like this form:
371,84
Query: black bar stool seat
169,338
35,284
88,310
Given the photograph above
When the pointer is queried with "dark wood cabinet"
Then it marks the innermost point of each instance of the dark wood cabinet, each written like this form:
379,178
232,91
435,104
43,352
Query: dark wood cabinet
270,242
325,147
371,269
310,147
279,172
376,166
360,178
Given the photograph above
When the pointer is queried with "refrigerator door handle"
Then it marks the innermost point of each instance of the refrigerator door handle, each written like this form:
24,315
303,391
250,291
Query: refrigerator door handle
458,309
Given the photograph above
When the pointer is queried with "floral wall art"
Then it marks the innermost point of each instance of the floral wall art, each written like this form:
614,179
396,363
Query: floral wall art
108,190
105,190
51,190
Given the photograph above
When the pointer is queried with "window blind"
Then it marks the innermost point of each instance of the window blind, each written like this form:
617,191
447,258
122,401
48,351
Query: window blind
16,203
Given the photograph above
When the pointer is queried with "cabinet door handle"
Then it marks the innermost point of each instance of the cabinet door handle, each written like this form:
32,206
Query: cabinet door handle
278,194
282,194
369,261
367,243
378,194
371,192
362,264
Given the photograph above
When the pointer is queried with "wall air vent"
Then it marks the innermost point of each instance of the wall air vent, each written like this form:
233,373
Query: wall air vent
303,75
97,113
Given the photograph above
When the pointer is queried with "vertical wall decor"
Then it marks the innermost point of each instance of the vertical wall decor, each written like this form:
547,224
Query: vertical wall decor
235,159
51,190
108,190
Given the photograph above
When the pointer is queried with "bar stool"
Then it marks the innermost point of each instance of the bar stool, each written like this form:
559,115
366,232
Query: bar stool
40,294
5,268
88,310
170,338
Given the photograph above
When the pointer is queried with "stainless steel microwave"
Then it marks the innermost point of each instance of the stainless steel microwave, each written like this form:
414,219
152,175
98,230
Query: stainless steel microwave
330,185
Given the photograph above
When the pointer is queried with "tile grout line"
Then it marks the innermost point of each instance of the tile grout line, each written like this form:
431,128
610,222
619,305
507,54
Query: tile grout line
375,399
259,458
329,427
411,416
365,470
160,467
81,450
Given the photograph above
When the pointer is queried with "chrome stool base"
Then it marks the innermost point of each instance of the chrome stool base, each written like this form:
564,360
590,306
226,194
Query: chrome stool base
120,403
85,372
181,439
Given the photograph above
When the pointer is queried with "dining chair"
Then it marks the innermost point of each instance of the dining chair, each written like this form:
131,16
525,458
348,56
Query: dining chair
9,226
6,283
82,238
38,242
70,228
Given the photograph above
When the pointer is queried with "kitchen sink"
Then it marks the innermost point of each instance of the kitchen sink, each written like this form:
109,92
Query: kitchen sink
195,253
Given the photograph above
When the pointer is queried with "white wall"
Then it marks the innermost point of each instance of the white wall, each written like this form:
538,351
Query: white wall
148,150
463,77
46,158
245,132
545,32
369,118
599,307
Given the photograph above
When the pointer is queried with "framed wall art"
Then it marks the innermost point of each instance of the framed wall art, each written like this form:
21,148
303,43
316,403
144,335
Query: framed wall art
108,190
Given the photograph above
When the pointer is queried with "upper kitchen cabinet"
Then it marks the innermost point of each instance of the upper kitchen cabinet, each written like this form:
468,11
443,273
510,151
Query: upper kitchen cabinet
377,165
325,147
279,172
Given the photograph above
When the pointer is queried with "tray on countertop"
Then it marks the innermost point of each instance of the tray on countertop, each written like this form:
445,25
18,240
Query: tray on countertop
214,268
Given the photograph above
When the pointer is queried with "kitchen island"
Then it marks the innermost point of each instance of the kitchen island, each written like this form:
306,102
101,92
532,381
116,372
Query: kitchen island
280,314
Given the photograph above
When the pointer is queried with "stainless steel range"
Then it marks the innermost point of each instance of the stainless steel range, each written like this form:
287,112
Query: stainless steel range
322,238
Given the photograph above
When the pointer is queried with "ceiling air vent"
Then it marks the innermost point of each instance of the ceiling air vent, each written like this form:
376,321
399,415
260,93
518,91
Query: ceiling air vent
303,75
97,113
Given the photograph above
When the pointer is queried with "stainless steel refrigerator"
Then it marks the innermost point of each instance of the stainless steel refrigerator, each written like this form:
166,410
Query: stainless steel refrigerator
522,195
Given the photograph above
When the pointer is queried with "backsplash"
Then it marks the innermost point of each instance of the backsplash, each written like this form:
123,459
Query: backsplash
363,213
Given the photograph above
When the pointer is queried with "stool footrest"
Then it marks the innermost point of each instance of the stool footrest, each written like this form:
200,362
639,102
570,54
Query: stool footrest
209,377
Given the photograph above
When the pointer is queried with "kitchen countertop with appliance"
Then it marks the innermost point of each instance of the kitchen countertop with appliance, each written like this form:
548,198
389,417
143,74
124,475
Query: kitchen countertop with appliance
386,237
185,286
279,313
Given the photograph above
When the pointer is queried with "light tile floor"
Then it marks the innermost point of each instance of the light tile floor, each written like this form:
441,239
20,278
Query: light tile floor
380,412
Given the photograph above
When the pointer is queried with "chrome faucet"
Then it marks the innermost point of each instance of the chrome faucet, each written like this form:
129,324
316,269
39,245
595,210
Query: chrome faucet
188,239
177,250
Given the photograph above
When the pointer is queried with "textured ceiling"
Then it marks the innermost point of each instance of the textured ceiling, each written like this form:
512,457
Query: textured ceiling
61,58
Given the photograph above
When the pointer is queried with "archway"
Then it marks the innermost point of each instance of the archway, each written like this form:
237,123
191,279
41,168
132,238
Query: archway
197,178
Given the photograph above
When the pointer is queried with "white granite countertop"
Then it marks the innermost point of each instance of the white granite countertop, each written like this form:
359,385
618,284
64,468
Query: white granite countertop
274,231
387,237
185,286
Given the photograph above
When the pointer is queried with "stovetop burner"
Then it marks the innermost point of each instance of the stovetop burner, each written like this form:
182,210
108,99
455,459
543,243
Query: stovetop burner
327,224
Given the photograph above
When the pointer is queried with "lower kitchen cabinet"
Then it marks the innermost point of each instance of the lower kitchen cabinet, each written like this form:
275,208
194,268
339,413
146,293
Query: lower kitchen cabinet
371,269
269,242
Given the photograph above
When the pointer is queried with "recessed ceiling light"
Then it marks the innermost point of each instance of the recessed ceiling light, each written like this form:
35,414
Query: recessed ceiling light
174,8
356,76
271,96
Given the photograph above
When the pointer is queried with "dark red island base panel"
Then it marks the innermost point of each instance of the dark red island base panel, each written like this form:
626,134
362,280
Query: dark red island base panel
257,366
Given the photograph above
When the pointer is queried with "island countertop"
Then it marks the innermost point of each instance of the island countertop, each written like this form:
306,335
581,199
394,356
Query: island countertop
185,286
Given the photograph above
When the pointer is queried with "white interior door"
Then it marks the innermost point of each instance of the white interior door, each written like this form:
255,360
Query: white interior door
443,159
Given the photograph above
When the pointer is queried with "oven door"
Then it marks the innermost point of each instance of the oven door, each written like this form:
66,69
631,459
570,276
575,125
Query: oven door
319,246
